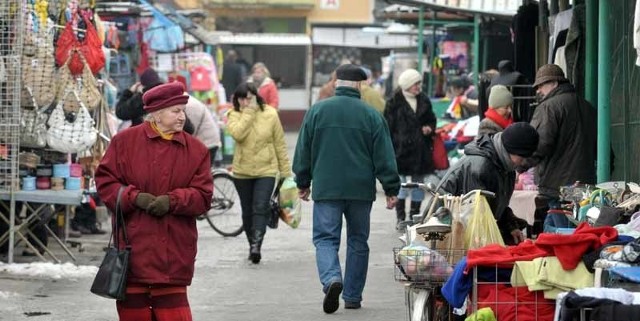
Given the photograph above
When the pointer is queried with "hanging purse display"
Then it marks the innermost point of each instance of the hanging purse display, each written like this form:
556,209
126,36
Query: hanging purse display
33,128
111,280
90,47
89,93
38,66
71,132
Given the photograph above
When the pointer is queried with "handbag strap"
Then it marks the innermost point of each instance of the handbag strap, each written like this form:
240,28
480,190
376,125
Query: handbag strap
119,222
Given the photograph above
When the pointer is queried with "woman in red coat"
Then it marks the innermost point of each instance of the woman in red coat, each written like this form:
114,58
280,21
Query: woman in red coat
167,184
267,88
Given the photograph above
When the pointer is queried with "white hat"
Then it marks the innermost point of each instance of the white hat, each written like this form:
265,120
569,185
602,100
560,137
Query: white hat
409,78
500,96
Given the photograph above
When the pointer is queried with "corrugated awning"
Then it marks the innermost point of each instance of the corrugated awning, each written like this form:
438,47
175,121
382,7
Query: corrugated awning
279,39
261,4
498,8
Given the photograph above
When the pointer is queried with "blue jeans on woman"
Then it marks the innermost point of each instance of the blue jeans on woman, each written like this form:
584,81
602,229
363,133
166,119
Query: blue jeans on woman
327,228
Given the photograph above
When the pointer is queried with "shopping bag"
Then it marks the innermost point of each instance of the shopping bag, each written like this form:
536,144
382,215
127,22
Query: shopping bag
111,280
440,156
274,206
482,228
290,204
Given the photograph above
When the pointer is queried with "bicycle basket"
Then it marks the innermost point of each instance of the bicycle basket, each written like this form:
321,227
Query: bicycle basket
422,265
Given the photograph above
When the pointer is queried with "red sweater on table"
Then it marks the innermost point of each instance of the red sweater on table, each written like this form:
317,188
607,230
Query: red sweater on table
568,248
163,249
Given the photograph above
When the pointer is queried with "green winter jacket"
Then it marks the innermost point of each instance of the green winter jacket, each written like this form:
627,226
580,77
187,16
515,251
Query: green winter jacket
343,146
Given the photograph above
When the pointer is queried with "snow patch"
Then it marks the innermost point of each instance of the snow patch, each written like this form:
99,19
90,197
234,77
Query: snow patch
6,295
49,270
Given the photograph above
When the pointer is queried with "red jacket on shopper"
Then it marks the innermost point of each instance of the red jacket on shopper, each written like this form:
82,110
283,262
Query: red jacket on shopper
269,93
163,249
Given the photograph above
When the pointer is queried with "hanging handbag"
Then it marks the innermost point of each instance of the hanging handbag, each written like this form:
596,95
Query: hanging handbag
38,66
440,156
71,132
91,47
89,93
33,128
111,280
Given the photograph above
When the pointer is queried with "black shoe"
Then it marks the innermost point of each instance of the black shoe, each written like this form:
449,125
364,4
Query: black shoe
331,301
352,305
254,254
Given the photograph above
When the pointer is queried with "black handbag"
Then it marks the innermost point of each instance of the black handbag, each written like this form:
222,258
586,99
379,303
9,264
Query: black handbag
111,280
274,206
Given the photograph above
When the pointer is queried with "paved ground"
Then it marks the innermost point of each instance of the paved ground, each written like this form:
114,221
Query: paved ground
283,287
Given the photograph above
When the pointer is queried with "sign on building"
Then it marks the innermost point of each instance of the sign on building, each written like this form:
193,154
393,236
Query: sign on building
330,4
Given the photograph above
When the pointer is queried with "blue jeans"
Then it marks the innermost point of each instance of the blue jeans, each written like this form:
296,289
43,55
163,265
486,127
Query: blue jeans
327,228
417,194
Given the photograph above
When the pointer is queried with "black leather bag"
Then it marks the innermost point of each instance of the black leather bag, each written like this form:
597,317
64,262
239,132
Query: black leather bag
274,206
111,280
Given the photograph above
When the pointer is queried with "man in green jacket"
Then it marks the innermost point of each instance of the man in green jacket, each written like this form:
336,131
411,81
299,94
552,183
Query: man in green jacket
343,146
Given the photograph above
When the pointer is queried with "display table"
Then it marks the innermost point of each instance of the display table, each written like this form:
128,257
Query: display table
523,204
35,202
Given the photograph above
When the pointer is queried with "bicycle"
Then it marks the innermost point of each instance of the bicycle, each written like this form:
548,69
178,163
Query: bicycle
225,215
423,298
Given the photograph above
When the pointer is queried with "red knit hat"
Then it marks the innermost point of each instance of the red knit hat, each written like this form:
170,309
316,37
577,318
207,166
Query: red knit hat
164,96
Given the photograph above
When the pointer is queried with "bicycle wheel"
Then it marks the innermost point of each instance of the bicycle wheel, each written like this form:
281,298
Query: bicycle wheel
225,215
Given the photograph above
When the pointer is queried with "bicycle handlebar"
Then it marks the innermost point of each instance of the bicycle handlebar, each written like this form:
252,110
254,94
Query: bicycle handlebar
426,188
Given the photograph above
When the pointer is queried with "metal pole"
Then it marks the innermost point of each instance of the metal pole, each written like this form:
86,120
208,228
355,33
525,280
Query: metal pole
420,39
591,62
476,48
604,86
434,43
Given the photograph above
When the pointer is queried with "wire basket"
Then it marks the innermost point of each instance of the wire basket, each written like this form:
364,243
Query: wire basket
423,265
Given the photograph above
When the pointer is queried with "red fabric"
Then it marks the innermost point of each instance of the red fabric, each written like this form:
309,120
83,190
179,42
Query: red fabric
493,254
143,63
509,304
160,303
570,248
497,118
163,249
178,78
164,96
269,93
440,156
201,79
90,48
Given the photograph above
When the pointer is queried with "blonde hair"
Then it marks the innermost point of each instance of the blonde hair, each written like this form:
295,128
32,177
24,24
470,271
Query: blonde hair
262,66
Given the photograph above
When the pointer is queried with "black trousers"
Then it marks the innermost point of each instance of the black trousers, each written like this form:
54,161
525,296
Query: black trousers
255,194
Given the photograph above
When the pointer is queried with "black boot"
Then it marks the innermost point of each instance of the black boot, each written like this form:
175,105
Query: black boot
254,250
401,215
415,209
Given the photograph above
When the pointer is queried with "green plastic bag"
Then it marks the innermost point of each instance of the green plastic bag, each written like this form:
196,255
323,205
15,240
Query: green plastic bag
482,228
290,204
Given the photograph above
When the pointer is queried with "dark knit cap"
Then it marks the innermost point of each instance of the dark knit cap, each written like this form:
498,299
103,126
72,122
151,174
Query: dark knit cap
351,72
520,139
164,96
149,79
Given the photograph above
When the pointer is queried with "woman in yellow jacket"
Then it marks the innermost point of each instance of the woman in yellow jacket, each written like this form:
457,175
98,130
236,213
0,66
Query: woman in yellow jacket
260,155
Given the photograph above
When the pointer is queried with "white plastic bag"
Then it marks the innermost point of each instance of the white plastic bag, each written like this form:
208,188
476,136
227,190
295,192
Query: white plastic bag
290,204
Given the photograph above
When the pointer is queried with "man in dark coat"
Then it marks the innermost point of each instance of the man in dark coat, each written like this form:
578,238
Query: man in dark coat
489,164
412,125
567,125
233,73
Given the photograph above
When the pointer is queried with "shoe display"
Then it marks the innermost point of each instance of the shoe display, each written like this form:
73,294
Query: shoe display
352,305
331,301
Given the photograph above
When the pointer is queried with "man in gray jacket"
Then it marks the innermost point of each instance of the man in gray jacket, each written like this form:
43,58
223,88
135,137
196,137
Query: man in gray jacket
567,125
